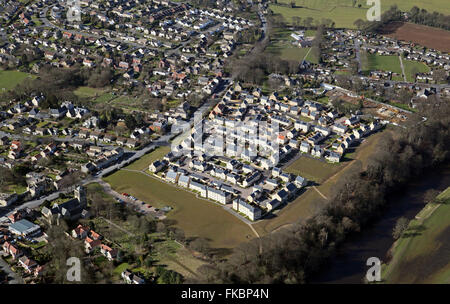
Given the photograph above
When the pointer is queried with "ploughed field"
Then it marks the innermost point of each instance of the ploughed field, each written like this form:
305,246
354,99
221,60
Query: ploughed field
424,35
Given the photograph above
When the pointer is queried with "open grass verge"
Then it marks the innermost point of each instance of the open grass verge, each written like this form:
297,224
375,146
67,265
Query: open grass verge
145,161
421,255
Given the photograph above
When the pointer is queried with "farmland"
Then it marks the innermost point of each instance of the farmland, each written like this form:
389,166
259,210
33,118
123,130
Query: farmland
421,254
424,35
343,13
191,214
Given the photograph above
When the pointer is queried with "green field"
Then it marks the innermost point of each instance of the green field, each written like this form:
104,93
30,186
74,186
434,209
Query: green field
313,169
196,217
9,79
344,14
373,62
421,255
380,62
88,92
281,45
412,67
147,159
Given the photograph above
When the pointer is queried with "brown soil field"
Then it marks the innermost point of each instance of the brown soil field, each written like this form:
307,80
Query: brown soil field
424,35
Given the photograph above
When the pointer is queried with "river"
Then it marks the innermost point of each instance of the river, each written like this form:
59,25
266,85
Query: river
349,266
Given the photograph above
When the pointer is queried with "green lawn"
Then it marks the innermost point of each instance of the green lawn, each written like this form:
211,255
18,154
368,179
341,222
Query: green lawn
412,67
421,255
121,268
177,258
88,92
344,14
383,63
298,54
373,62
9,79
195,216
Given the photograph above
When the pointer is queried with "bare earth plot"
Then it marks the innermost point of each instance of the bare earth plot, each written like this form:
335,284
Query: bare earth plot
424,35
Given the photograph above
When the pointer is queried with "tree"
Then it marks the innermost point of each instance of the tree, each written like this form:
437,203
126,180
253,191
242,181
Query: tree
400,226
200,245
307,22
439,75
430,196
359,23
130,122
296,20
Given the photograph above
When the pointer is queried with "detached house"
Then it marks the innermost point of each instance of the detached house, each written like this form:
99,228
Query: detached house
11,249
90,244
131,278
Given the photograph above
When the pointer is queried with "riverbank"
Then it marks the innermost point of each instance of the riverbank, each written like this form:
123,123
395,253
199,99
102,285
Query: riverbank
422,254
349,265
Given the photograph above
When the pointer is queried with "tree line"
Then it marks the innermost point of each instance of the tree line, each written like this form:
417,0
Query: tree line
415,15
293,254
435,19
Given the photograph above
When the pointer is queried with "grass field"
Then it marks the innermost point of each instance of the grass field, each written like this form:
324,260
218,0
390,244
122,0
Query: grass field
281,45
383,63
375,62
147,159
195,216
178,259
88,92
9,79
412,67
313,169
344,14
421,255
